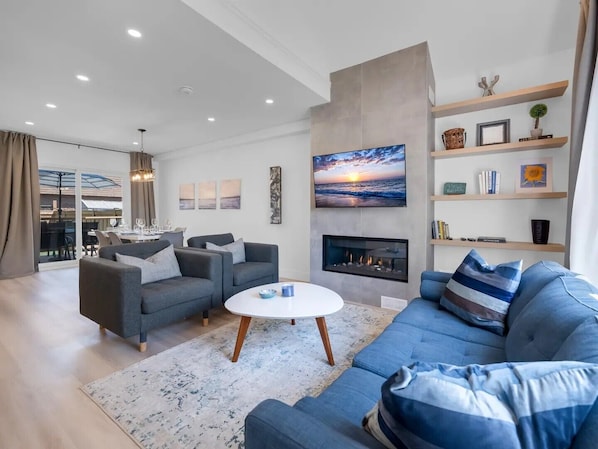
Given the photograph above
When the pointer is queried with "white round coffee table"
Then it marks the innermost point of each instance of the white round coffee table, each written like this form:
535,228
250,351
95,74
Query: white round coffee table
309,301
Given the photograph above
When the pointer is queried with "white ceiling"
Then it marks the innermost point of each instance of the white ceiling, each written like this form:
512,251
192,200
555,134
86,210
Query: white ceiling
235,54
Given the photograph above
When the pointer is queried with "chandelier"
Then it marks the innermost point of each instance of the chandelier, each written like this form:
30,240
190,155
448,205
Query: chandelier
142,174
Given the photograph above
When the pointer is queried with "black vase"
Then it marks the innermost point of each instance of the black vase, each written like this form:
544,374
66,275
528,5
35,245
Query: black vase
540,230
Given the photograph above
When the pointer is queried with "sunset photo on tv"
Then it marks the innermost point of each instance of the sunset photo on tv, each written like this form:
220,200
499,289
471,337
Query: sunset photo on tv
373,177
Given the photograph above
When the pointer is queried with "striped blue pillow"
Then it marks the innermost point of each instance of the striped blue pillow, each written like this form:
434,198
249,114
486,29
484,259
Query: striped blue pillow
533,405
481,293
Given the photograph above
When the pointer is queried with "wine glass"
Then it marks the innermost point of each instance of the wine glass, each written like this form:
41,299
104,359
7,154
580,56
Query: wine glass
167,224
113,222
154,227
141,224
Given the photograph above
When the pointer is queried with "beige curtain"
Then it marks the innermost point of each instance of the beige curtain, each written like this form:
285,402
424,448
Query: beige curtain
142,193
19,205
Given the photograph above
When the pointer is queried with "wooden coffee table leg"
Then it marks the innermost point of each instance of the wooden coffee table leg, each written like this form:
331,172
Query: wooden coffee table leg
324,334
245,320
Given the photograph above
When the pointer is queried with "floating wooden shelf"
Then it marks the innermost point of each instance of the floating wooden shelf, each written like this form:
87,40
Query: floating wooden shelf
521,246
505,99
501,196
538,144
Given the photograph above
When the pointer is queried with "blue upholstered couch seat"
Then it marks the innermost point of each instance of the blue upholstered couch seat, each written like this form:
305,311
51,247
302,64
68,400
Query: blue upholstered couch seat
552,317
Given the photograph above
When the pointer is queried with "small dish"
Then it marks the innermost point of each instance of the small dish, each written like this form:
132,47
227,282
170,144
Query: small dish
267,293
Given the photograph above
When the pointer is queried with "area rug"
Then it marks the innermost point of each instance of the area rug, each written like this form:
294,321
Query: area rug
193,396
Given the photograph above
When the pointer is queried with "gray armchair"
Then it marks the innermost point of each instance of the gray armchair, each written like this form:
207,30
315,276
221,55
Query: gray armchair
112,295
260,266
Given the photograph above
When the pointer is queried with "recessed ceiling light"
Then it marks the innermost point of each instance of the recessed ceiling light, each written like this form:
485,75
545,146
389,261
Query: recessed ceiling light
82,78
135,143
51,105
133,32
269,101
211,119
29,123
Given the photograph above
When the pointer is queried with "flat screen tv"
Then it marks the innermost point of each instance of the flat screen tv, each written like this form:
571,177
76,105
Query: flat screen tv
372,177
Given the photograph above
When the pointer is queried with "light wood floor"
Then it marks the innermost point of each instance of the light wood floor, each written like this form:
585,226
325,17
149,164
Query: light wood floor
48,350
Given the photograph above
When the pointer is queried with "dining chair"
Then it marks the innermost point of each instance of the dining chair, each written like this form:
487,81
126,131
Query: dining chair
103,239
114,238
174,237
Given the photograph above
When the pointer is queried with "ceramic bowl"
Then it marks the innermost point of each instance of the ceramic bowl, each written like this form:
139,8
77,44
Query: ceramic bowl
267,293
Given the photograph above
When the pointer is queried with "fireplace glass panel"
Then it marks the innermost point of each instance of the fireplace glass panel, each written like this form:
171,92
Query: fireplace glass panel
366,256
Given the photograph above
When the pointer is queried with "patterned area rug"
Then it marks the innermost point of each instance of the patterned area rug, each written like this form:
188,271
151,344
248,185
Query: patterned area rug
193,396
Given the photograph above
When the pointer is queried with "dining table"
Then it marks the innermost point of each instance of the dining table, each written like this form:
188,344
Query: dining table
132,236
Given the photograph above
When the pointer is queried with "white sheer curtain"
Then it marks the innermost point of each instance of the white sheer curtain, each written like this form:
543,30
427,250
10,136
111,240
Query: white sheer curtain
583,183
584,216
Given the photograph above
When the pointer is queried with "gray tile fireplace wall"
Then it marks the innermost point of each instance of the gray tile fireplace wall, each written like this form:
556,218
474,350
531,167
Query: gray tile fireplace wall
381,102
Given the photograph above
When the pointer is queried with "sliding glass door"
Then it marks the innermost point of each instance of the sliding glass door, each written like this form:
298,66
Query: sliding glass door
72,205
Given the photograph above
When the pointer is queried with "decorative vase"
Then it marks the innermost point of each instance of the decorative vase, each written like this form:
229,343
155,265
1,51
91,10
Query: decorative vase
540,229
536,133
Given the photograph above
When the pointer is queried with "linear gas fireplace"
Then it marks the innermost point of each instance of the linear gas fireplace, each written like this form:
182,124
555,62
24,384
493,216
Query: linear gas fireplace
366,256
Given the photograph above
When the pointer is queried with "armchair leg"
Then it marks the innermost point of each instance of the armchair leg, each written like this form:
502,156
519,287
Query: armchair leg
205,317
102,329
143,342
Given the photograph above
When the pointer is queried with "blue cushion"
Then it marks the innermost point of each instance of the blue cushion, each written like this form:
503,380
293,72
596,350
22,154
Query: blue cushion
538,405
431,316
481,293
549,318
582,344
402,344
533,279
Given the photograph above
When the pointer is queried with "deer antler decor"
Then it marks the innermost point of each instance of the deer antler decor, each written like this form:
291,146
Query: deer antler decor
488,89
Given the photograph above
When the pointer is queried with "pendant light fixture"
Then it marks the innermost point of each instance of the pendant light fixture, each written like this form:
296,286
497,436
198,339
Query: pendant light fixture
142,174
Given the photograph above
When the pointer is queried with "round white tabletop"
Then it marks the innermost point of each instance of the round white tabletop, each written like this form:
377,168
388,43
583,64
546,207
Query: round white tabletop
308,301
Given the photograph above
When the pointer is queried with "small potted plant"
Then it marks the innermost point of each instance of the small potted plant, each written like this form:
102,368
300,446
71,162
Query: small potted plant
536,112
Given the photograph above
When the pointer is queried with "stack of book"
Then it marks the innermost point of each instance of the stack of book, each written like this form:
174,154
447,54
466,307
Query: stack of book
489,181
440,230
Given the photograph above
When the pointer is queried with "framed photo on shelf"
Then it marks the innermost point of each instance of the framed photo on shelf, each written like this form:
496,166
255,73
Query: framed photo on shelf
534,176
491,133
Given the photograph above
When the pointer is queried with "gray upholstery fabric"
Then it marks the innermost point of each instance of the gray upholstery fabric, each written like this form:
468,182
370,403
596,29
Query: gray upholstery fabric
249,271
247,276
111,294
217,239
169,292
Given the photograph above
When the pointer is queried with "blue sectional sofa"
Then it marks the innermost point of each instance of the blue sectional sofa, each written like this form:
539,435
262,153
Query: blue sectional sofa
553,316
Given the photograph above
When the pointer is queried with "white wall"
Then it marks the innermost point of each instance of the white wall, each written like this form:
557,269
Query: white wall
510,219
251,163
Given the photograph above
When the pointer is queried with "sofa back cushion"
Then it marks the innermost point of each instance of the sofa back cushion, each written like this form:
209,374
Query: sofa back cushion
217,239
582,344
550,317
533,279
142,250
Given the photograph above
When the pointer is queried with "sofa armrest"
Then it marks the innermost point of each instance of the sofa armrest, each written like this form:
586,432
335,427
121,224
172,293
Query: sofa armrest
110,295
202,264
261,252
275,425
432,284
226,258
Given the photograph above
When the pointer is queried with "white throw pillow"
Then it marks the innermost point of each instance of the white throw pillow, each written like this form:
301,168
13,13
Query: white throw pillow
237,248
162,265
